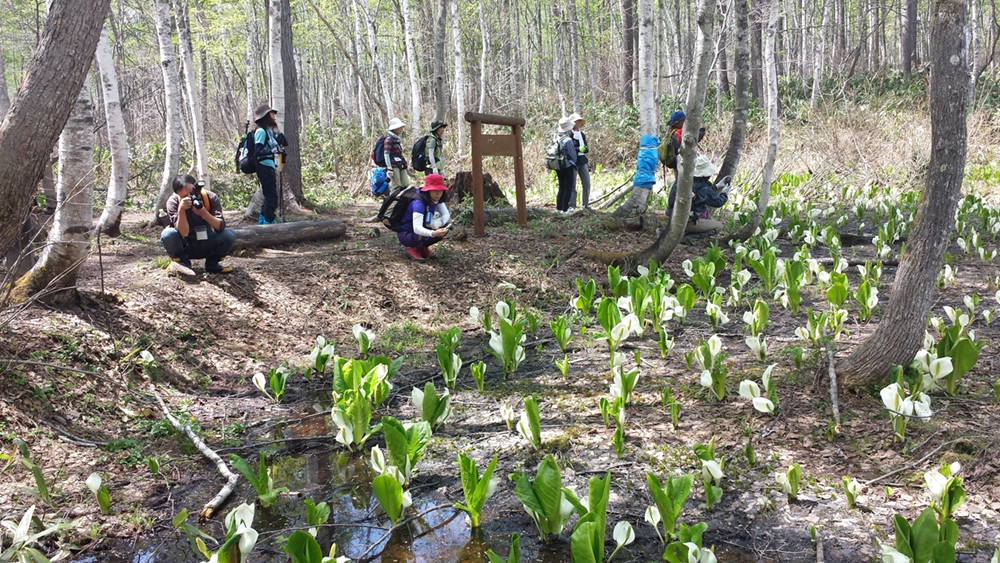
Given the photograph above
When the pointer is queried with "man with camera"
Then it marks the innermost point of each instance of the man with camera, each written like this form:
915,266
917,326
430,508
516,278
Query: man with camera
197,228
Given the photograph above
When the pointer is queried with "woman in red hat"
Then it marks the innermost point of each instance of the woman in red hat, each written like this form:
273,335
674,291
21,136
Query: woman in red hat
426,219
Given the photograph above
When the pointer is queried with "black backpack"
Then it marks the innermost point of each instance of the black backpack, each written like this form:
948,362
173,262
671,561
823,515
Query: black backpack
417,157
399,200
378,153
246,152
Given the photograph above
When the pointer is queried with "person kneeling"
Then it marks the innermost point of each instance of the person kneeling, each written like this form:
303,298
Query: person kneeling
704,194
197,228
426,219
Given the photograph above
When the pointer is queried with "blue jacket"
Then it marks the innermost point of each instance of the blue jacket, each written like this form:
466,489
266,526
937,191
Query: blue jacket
569,150
645,162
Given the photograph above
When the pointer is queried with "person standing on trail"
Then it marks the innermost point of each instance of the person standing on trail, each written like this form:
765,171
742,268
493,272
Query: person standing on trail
566,174
197,228
392,148
435,163
580,141
425,221
270,143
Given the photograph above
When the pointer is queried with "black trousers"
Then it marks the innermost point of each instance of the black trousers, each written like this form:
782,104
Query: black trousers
267,177
567,179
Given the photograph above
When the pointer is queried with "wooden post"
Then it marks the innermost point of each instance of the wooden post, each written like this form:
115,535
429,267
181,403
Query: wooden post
522,206
478,218
495,145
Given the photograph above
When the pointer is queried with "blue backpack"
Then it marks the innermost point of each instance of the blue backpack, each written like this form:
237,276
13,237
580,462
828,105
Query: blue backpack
378,181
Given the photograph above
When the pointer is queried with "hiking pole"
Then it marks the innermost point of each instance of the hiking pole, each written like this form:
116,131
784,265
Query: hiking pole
281,186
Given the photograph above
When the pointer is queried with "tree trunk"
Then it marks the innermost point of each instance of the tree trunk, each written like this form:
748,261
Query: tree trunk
771,78
411,69
664,245
574,50
440,93
820,54
756,59
256,236
482,59
909,36
741,94
456,27
461,188
275,61
4,96
898,335
110,220
191,89
647,102
628,30
722,59
171,100
291,173
53,278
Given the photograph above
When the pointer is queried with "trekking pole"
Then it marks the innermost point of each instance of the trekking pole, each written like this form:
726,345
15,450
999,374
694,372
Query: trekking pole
281,186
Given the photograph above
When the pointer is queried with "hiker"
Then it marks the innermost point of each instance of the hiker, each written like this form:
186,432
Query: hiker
391,154
197,229
435,163
269,142
566,174
580,141
671,146
426,219
704,194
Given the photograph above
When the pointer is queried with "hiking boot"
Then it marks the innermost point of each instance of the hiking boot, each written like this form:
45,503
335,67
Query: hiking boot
415,253
217,268
262,221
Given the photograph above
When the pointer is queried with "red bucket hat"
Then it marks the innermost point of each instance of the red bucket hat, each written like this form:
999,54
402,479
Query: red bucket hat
433,182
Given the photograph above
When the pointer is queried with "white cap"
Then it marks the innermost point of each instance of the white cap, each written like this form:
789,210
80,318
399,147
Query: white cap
565,124
396,123
575,117
703,167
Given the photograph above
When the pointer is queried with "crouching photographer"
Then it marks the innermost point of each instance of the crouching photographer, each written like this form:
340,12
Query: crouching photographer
197,229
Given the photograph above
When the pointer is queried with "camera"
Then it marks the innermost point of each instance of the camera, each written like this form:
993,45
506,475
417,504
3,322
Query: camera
196,200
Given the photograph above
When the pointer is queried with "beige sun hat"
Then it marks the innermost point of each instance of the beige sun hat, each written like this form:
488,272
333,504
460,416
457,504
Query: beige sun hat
703,167
577,117
565,125
396,123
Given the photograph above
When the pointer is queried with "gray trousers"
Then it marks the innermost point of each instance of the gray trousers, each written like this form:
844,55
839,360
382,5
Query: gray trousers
584,174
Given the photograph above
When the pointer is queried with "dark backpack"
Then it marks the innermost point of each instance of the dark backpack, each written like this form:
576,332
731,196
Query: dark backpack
555,157
395,205
378,153
417,157
246,152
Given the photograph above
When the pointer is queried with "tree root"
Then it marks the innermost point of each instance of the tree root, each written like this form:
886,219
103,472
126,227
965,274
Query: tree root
231,478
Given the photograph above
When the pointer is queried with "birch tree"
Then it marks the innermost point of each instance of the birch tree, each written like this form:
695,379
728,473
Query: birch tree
771,85
898,336
820,54
665,244
482,59
440,94
53,278
191,88
638,200
373,48
411,69
456,32
171,101
741,91
110,220
275,62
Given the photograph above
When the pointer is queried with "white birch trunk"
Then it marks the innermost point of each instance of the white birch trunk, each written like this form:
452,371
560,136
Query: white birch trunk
482,60
771,86
191,89
359,83
373,48
820,54
118,183
411,67
459,78
277,94
172,100
69,238
973,57
251,70
647,106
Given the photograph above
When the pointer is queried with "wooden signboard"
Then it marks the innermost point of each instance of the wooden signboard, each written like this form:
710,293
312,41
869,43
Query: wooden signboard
495,145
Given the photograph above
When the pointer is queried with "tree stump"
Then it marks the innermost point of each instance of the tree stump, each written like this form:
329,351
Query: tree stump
461,187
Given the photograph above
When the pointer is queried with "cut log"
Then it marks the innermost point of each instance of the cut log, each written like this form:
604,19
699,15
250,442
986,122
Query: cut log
461,188
255,236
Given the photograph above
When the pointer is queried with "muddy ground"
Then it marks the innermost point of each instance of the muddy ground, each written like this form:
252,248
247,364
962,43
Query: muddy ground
211,334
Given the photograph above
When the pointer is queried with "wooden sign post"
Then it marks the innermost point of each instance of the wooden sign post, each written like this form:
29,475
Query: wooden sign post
495,145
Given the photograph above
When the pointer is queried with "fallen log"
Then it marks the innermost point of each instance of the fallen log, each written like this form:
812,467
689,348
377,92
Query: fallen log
255,236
